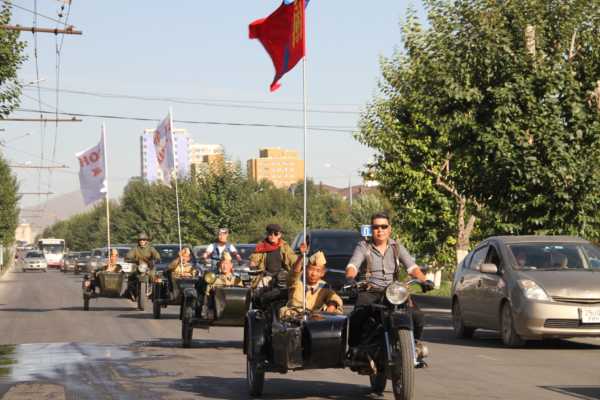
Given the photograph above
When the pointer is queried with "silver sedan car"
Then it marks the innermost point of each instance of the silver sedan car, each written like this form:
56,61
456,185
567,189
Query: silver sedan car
528,287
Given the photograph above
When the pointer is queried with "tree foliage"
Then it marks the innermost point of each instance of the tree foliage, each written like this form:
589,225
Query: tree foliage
11,57
9,198
492,114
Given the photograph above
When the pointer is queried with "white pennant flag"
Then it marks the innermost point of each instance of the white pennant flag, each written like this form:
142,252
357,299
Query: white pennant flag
163,146
92,172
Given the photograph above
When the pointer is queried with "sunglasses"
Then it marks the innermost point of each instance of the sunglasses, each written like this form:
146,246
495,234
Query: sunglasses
375,227
273,233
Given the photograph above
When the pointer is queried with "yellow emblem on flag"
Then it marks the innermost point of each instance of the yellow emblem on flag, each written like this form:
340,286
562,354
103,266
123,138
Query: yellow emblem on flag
297,23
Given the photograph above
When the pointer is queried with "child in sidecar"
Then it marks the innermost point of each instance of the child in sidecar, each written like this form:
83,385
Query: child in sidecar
319,297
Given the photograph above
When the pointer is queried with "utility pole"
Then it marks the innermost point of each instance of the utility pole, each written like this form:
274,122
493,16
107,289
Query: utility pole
67,31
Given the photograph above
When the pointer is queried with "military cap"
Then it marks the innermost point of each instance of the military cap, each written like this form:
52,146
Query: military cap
318,258
143,236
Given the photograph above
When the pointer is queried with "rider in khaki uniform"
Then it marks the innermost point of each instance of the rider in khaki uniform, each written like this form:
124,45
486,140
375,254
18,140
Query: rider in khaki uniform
180,267
272,255
318,296
143,252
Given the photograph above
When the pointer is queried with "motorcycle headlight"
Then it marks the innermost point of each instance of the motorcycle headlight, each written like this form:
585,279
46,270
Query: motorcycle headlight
396,293
210,278
532,290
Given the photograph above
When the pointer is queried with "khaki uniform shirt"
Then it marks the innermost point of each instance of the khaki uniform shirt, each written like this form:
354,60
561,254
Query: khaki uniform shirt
288,258
317,298
112,267
228,280
147,254
188,271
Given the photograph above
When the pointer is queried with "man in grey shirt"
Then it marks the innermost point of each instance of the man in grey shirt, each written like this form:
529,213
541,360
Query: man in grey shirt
377,260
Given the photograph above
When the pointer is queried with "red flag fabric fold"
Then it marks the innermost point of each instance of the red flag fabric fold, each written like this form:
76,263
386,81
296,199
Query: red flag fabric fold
282,34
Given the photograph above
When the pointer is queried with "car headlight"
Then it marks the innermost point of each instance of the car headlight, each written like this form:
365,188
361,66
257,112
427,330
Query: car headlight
532,290
396,293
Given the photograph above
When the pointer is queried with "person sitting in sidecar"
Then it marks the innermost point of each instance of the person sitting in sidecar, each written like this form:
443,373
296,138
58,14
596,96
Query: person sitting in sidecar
111,266
319,297
225,277
180,267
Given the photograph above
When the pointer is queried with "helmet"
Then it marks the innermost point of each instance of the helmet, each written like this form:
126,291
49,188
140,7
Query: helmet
143,236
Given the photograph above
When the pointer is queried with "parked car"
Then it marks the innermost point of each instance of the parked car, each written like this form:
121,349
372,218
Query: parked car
338,246
35,261
528,287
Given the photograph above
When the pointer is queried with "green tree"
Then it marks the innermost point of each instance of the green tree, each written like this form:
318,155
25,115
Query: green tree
11,57
9,198
491,113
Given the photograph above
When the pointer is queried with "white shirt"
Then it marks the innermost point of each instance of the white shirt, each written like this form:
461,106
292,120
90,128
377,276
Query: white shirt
221,249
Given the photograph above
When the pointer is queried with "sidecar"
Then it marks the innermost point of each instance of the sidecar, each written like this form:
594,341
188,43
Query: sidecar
226,306
104,284
167,291
273,345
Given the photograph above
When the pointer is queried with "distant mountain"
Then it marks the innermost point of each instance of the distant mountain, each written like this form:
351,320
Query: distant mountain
55,209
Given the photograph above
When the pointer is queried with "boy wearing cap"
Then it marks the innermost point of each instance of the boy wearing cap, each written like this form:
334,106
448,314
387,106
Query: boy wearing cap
215,251
226,276
318,295
180,267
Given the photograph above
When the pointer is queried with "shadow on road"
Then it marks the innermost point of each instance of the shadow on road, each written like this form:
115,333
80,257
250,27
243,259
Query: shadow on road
148,315
579,392
491,339
196,343
275,388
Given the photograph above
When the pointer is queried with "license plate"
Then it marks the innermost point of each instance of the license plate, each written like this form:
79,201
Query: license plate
590,315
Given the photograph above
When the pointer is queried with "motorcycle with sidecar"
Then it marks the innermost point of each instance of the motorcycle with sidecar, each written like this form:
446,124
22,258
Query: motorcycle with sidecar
102,284
226,305
385,349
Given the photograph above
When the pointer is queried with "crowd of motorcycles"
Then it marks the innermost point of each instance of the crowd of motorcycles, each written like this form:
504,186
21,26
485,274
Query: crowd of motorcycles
384,351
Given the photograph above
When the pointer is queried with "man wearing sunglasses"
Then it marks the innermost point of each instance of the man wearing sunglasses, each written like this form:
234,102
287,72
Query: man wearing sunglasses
378,261
273,254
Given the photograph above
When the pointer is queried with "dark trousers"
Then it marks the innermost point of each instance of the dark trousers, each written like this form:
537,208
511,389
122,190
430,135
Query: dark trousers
359,317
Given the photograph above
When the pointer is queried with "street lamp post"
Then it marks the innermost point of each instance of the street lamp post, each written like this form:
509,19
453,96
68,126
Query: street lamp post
329,165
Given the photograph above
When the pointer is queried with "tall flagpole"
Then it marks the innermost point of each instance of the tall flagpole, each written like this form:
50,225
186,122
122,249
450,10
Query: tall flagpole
176,178
106,187
305,112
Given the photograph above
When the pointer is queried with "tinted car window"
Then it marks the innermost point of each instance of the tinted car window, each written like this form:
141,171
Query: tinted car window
548,255
493,257
34,254
245,250
593,255
477,258
334,245
122,252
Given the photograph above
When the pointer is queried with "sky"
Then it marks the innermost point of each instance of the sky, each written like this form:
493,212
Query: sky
197,51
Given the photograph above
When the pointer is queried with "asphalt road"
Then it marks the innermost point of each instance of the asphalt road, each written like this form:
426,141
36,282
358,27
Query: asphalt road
52,349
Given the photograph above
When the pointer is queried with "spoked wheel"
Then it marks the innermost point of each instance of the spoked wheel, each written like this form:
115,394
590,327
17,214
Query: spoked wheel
403,372
140,297
510,338
460,330
156,309
255,376
187,330
86,302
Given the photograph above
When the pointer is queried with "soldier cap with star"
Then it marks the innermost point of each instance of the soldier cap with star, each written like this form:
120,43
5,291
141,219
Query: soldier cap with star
318,259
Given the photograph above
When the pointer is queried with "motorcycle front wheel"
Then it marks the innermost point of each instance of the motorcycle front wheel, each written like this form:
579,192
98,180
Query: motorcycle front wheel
255,376
140,297
403,372
187,330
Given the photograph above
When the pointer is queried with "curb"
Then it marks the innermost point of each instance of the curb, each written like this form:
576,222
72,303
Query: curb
425,301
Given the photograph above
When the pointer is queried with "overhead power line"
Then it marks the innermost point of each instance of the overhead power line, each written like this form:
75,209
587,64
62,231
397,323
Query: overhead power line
10,3
191,122
69,30
201,102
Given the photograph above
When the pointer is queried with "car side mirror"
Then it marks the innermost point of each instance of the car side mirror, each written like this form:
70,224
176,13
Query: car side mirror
488,268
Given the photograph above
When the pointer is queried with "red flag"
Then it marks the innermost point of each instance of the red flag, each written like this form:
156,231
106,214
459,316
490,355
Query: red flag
282,35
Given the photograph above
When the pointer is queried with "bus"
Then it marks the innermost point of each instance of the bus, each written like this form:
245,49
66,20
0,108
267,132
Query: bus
54,251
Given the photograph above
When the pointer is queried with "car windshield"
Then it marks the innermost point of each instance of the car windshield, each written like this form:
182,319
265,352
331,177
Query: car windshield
53,248
34,254
245,250
334,245
122,252
167,253
555,256
85,254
